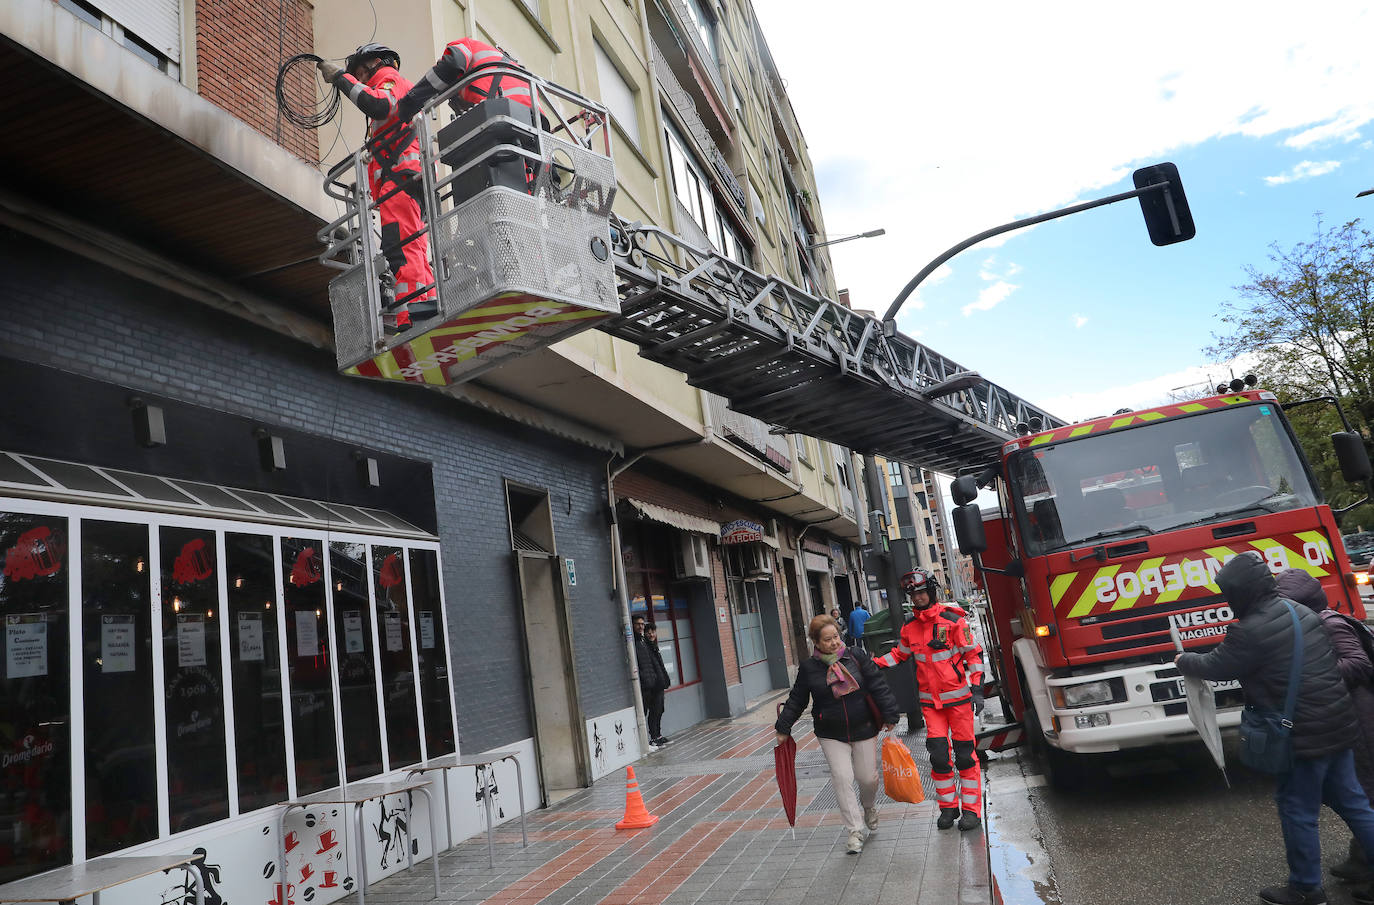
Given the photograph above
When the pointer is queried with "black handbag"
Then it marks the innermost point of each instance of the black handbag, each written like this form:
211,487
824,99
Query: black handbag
1266,736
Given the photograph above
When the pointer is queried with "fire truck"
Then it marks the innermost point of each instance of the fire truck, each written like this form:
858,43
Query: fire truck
1109,532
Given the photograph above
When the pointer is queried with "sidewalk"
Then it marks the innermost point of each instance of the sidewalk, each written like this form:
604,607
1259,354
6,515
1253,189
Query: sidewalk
721,837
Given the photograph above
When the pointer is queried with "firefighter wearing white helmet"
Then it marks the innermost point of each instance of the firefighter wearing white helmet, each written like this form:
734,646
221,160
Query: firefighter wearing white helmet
949,672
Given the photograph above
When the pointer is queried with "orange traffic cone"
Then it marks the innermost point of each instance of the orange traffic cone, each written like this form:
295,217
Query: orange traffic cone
636,815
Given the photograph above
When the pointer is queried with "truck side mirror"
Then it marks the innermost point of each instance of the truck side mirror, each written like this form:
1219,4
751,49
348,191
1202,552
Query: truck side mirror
964,490
1352,456
968,529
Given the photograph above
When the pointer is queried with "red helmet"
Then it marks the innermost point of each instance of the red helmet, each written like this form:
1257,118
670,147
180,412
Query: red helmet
918,580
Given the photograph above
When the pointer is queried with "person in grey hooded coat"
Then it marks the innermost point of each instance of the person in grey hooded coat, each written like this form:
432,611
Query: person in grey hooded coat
1258,650
1356,668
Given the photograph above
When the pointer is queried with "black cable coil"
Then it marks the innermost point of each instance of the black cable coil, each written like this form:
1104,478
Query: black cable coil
317,115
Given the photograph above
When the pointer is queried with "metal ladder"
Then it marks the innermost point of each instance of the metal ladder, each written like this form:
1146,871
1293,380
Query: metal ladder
807,364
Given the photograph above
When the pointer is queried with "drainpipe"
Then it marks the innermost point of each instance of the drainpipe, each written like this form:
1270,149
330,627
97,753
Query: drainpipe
621,586
618,570
875,599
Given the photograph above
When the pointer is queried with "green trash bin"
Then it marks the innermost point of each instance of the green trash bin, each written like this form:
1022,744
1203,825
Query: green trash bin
880,636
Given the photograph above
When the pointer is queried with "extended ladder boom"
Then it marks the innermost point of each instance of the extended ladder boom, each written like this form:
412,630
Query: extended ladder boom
805,363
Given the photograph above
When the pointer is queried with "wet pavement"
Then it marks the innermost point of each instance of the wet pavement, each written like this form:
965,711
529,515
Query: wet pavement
721,837
1153,827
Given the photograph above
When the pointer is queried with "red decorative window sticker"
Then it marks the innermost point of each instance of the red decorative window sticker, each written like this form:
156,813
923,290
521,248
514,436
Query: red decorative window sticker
194,563
393,572
306,570
37,554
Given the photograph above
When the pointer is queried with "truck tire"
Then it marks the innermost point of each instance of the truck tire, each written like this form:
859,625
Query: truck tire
1062,770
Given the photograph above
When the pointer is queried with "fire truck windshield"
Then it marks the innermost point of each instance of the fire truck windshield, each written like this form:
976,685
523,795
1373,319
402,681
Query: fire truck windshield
1157,476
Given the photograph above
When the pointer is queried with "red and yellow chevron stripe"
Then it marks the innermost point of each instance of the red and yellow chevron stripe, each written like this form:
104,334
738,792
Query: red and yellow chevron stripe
443,354
1154,414
1164,579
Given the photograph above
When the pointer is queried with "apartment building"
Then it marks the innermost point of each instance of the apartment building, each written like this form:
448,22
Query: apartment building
234,577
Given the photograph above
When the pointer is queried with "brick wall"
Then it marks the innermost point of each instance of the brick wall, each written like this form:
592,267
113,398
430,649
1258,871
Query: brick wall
239,46
62,311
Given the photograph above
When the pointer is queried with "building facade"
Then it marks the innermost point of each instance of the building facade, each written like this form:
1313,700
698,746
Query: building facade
289,579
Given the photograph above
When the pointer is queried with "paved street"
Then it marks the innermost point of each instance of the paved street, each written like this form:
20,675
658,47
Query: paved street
721,837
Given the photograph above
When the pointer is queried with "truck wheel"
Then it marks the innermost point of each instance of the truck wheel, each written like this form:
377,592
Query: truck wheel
1062,770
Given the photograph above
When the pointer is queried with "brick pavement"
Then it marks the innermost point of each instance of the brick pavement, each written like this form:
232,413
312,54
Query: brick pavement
721,837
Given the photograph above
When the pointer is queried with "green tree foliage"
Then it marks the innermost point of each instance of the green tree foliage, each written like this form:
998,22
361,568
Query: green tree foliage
1307,321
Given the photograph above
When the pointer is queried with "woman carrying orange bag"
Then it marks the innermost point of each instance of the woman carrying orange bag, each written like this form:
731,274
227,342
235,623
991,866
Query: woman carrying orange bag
851,704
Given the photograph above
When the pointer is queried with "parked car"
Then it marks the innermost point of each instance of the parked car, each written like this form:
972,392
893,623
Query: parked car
1360,548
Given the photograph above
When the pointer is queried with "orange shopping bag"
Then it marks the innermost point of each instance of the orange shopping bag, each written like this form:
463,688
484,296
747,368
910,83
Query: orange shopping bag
901,782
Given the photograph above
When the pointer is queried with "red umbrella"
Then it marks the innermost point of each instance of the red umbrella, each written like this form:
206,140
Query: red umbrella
785,765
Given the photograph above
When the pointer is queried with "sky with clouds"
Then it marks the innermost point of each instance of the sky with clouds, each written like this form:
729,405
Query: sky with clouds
959,117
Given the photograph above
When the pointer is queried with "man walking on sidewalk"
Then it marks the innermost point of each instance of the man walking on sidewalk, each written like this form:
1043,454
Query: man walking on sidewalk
857,617
949,671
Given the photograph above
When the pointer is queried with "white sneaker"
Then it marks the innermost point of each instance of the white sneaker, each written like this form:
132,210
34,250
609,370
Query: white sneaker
856,842
653,747
871,820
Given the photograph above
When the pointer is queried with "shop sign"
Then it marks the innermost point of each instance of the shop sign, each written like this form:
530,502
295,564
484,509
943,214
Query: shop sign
117,644
741,531
26,646
251,647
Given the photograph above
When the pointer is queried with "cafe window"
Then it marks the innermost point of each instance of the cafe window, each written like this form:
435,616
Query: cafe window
307,656
398,670
433,674
354,652
117,670
173,608
255,670
197,779
35,696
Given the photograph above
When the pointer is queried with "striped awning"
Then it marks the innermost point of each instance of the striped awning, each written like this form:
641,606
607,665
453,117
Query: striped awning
679,520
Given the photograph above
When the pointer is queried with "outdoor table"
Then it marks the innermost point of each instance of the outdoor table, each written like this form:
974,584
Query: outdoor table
482,762
359,794
91,878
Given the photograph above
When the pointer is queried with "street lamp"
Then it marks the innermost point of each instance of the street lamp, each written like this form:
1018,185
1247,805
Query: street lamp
868,235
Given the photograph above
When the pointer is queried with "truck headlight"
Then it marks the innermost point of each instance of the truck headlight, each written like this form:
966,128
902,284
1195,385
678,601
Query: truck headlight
1087,693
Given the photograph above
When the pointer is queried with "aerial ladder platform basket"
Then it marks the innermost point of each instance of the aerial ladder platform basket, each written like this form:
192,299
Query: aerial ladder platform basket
515,203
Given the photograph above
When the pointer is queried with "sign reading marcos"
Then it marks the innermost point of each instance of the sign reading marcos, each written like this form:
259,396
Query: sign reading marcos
741,531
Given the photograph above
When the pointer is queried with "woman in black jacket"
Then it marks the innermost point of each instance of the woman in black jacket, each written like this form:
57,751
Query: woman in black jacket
851,700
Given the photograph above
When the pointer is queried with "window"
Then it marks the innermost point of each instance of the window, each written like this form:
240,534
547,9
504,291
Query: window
706,27
756,203
144,27
921,499
1159,475
742,589
307,637
804,449
255,670
197,775
35,696
433,675
934,555
231,617
894,474
393,634
929,529
843,473
693,190
121,742
353,652
617,94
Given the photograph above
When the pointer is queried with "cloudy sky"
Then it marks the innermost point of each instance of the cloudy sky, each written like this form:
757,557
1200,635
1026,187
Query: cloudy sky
956,117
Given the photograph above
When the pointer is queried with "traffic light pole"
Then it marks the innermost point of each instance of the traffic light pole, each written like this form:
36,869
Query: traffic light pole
1167,218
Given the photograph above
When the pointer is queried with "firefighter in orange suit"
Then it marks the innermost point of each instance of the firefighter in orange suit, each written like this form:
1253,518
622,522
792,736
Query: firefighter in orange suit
369,78
949,672
459,59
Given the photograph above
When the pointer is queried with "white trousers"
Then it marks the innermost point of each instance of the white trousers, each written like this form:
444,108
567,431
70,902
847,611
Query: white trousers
849,761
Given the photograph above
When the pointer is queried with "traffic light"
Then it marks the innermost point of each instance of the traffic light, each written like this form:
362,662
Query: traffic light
1166,210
